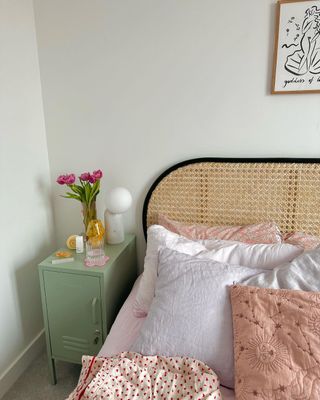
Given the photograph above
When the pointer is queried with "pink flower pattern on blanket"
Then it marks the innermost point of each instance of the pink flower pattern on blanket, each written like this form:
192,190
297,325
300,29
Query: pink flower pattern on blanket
308,242
133,376
267,232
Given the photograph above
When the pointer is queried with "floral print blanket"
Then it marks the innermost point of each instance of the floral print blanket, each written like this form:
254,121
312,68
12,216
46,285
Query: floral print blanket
133,376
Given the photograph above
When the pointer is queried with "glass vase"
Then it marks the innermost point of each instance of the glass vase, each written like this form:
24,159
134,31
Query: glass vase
89,213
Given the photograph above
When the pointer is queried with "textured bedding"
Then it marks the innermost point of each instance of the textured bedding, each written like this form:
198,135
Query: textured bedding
132,376
276,343
125,330
267,232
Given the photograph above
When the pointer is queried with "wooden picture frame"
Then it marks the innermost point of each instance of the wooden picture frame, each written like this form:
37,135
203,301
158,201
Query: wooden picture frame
296,60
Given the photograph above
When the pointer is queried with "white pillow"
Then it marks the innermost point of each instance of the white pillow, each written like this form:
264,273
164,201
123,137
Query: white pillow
256,255
191,313
267,256
303,273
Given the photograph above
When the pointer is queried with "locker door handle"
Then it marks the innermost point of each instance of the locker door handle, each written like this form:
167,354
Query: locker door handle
97,336
94,310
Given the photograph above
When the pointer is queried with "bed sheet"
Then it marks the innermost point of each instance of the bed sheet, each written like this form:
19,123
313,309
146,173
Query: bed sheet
124,332
125,328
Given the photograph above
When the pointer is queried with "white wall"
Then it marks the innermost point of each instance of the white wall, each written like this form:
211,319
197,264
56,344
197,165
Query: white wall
26,220
132,87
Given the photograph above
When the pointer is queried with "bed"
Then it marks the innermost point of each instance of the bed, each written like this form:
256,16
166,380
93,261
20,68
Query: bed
214,191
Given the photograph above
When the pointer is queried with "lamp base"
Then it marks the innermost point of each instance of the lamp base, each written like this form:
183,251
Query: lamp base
114,228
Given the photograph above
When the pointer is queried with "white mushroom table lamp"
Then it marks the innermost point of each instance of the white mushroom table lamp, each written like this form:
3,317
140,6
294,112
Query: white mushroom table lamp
119,201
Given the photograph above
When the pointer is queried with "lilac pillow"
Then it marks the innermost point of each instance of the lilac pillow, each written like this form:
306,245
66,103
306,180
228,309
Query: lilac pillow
191,314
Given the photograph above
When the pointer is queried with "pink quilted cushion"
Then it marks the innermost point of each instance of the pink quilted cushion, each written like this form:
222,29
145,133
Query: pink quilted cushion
308,242
276,343
257,233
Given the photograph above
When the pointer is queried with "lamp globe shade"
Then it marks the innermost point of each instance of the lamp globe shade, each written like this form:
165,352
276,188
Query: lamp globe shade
119,200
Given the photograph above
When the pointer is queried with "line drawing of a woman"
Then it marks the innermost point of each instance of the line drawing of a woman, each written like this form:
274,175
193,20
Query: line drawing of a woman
307,57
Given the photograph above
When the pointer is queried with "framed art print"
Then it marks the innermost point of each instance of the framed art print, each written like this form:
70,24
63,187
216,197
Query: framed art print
296,64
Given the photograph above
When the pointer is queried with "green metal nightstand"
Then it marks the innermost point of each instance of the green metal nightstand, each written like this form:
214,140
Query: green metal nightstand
80,303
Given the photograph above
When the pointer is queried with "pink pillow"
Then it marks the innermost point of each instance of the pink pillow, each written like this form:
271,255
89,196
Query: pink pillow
276,343
308,242
267,232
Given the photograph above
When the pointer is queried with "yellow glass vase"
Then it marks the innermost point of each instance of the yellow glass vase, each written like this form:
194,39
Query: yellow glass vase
95,255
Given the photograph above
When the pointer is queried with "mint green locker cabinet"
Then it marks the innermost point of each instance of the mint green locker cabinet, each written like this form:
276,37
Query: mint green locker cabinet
74,314
80,304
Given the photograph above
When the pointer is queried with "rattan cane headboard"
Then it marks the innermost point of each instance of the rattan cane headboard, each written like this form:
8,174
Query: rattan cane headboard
223,191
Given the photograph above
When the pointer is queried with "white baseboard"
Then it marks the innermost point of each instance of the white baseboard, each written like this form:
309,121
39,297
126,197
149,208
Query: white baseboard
21,363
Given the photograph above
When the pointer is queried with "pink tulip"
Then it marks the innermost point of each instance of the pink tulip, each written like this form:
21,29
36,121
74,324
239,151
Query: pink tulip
97,174
61,179
85,176
70,179
92,179
67,179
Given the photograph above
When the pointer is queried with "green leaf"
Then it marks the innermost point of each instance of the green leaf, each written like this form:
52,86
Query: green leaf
76,189
94,192
87,189
79,190
72,196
